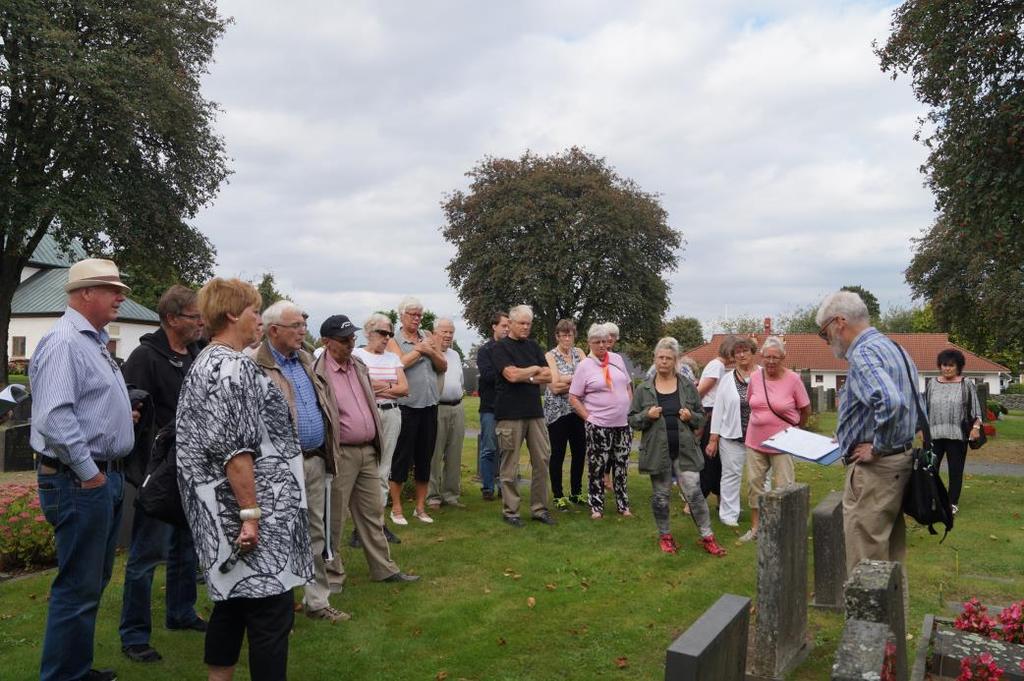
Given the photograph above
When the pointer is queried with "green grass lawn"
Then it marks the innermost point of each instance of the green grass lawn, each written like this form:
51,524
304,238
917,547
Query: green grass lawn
602,592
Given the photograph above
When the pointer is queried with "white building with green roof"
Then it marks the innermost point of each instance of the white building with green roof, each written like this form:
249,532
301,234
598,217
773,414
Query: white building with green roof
40,300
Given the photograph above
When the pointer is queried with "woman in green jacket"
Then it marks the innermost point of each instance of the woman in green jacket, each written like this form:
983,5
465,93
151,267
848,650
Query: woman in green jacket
667,411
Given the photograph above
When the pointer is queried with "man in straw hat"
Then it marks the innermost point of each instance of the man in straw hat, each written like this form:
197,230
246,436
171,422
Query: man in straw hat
81,429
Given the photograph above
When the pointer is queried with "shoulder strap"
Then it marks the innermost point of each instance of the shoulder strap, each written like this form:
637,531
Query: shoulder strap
764,383
922,421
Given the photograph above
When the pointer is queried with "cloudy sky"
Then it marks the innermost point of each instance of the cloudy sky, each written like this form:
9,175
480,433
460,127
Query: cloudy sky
780,151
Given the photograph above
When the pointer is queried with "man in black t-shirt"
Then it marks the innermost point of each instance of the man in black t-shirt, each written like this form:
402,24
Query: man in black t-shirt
521,369
487,442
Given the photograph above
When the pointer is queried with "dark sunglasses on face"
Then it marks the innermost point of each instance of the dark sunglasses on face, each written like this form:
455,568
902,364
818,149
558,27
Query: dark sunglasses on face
384,332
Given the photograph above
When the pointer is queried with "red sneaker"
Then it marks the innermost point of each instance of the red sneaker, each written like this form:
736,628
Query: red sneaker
667,544
711,546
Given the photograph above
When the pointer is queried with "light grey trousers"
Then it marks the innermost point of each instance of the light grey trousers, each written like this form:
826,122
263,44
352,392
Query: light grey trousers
689,482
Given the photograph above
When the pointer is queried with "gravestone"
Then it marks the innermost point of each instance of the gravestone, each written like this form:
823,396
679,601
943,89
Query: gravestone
861,651
983,395
829,552
874,593
780,633
818,403
830,396
15,450
715,646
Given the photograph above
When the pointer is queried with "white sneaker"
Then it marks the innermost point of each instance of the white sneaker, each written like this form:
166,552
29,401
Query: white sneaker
956,509
422,517
751,535
730,523
398,519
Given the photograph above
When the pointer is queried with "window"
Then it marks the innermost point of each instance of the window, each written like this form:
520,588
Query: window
18,346
114,330
819,378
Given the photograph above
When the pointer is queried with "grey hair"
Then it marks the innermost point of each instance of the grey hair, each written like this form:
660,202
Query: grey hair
409,303
274,313
668,343
774,342
597,331
373,320
613,328
442,320
845,304
521,311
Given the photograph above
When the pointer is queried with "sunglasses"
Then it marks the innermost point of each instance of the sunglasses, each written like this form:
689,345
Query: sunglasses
823,331
383,332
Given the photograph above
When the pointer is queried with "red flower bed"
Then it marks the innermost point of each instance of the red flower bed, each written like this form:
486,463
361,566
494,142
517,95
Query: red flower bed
26,539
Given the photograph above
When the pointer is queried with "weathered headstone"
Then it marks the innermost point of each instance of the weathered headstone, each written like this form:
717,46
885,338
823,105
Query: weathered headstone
780,633
818,402
874,593
983,394
830,395
829,552
861,651
15,450
950,646
715,646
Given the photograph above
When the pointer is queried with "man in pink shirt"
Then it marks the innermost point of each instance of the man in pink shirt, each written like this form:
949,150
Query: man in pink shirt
356,487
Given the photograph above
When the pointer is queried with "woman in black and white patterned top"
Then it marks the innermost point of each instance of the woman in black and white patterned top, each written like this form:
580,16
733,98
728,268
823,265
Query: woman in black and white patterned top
948,395
240,472
564,426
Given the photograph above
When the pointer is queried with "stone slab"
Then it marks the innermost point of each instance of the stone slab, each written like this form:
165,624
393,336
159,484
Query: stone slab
829,552
861,652
715,646
15,450
950,645
874,593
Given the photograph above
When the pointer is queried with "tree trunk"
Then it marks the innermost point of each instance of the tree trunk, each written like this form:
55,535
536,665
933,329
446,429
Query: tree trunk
8,285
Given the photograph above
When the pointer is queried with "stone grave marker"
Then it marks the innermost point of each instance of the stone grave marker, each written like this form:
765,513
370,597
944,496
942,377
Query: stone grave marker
780,633
874,593
861,651
715,646
15,450
829,552
830,396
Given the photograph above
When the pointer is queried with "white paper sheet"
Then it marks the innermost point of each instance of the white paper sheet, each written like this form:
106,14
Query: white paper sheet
805,445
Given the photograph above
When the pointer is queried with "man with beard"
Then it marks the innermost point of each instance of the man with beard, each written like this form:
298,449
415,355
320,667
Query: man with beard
878,416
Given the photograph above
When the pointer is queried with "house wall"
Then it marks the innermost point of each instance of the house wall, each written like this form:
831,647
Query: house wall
33,328
829,379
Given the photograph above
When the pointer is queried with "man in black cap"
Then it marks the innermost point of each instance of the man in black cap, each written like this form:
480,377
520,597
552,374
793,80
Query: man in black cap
356,487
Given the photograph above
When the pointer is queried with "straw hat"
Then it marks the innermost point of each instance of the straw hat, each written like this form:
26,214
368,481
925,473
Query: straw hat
94,272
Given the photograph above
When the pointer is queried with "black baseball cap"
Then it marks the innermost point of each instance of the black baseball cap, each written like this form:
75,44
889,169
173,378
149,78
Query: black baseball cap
337,326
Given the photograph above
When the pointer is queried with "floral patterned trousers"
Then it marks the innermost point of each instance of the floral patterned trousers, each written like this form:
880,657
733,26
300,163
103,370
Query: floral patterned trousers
608,447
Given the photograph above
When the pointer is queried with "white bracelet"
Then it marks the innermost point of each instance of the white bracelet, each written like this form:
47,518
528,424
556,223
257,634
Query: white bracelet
250,514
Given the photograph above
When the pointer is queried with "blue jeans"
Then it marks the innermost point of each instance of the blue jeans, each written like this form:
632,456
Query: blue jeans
85,523
154,541
487,448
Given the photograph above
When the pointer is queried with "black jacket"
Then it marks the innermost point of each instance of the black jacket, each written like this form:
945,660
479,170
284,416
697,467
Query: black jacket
153,367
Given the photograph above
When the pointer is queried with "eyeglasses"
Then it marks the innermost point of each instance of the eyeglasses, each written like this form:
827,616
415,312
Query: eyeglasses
193,317
385,332
294,326
414,315
823,331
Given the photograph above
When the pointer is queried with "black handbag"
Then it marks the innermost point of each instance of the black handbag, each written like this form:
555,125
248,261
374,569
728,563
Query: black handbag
967,425
925,498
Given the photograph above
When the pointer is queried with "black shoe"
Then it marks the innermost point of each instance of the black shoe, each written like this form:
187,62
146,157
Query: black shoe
142,652
101,675
512,520
487,494
355,542
391,536
545,518
401,577
198,624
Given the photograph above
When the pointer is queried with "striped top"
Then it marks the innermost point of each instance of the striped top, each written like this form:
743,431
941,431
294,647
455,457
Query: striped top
80,408
946,408
879,402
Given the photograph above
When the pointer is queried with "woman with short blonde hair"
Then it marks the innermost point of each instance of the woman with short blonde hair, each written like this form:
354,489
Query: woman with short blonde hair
221,299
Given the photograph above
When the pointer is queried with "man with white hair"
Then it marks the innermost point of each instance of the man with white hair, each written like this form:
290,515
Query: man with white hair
878,416
446,464
521,370
311,401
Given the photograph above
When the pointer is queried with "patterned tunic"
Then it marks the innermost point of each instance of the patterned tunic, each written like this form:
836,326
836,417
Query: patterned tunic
946,407
228,405
557,406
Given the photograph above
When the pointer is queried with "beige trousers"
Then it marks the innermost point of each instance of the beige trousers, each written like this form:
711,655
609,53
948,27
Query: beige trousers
873,510
390,427
511,433
446,465
315,593
757,467
356,492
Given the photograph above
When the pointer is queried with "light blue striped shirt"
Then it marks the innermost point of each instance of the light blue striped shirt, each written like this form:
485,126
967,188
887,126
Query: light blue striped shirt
878,403
80,407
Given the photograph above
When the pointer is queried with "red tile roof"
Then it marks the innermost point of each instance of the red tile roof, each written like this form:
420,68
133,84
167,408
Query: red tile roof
807,351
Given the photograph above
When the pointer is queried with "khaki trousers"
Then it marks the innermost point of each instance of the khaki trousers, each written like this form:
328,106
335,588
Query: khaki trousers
757,467
390,427
511,433
446,465
315,593
356,492
873,510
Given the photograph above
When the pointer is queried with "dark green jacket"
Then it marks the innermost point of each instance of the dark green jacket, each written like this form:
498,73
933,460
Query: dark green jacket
654,458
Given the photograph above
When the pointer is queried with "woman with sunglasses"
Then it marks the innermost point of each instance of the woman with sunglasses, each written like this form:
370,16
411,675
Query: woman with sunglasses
387,378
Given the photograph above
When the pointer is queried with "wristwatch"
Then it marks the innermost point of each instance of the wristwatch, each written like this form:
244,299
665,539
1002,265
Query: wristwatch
530,379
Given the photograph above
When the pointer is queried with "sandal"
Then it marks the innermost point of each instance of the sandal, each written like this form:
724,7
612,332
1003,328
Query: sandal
141,653
596,515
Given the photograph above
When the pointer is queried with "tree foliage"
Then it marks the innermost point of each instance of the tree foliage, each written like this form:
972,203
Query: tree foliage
874,309
966,63
105,136
687,330
800,320
916,319
565,234
741,325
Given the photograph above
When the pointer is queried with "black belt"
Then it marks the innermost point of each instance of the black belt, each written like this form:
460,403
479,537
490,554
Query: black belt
61,467
310,453
386,406
368,443
452,404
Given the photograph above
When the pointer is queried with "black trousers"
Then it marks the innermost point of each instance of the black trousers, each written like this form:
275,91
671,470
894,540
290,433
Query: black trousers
267,621
957,452
711,476
415,446
567,430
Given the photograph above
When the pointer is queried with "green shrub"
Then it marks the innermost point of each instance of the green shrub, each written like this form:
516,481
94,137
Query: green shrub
1015,389
26,539
996,408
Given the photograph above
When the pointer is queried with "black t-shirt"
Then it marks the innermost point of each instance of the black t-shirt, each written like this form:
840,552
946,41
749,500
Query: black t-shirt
517,400
485,365
670,407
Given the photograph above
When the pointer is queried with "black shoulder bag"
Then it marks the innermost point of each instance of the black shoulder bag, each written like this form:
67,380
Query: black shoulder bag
967,425
925,498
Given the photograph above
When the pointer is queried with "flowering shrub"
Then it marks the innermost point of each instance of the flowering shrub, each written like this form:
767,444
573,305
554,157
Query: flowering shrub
1012,620
974,618
980,668
26,539
889,662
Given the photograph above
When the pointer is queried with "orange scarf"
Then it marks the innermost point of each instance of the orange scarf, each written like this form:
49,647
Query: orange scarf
604,368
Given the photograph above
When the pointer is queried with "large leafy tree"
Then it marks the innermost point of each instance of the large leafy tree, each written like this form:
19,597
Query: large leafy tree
105,137
966,62
870,301
686,330
565,234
